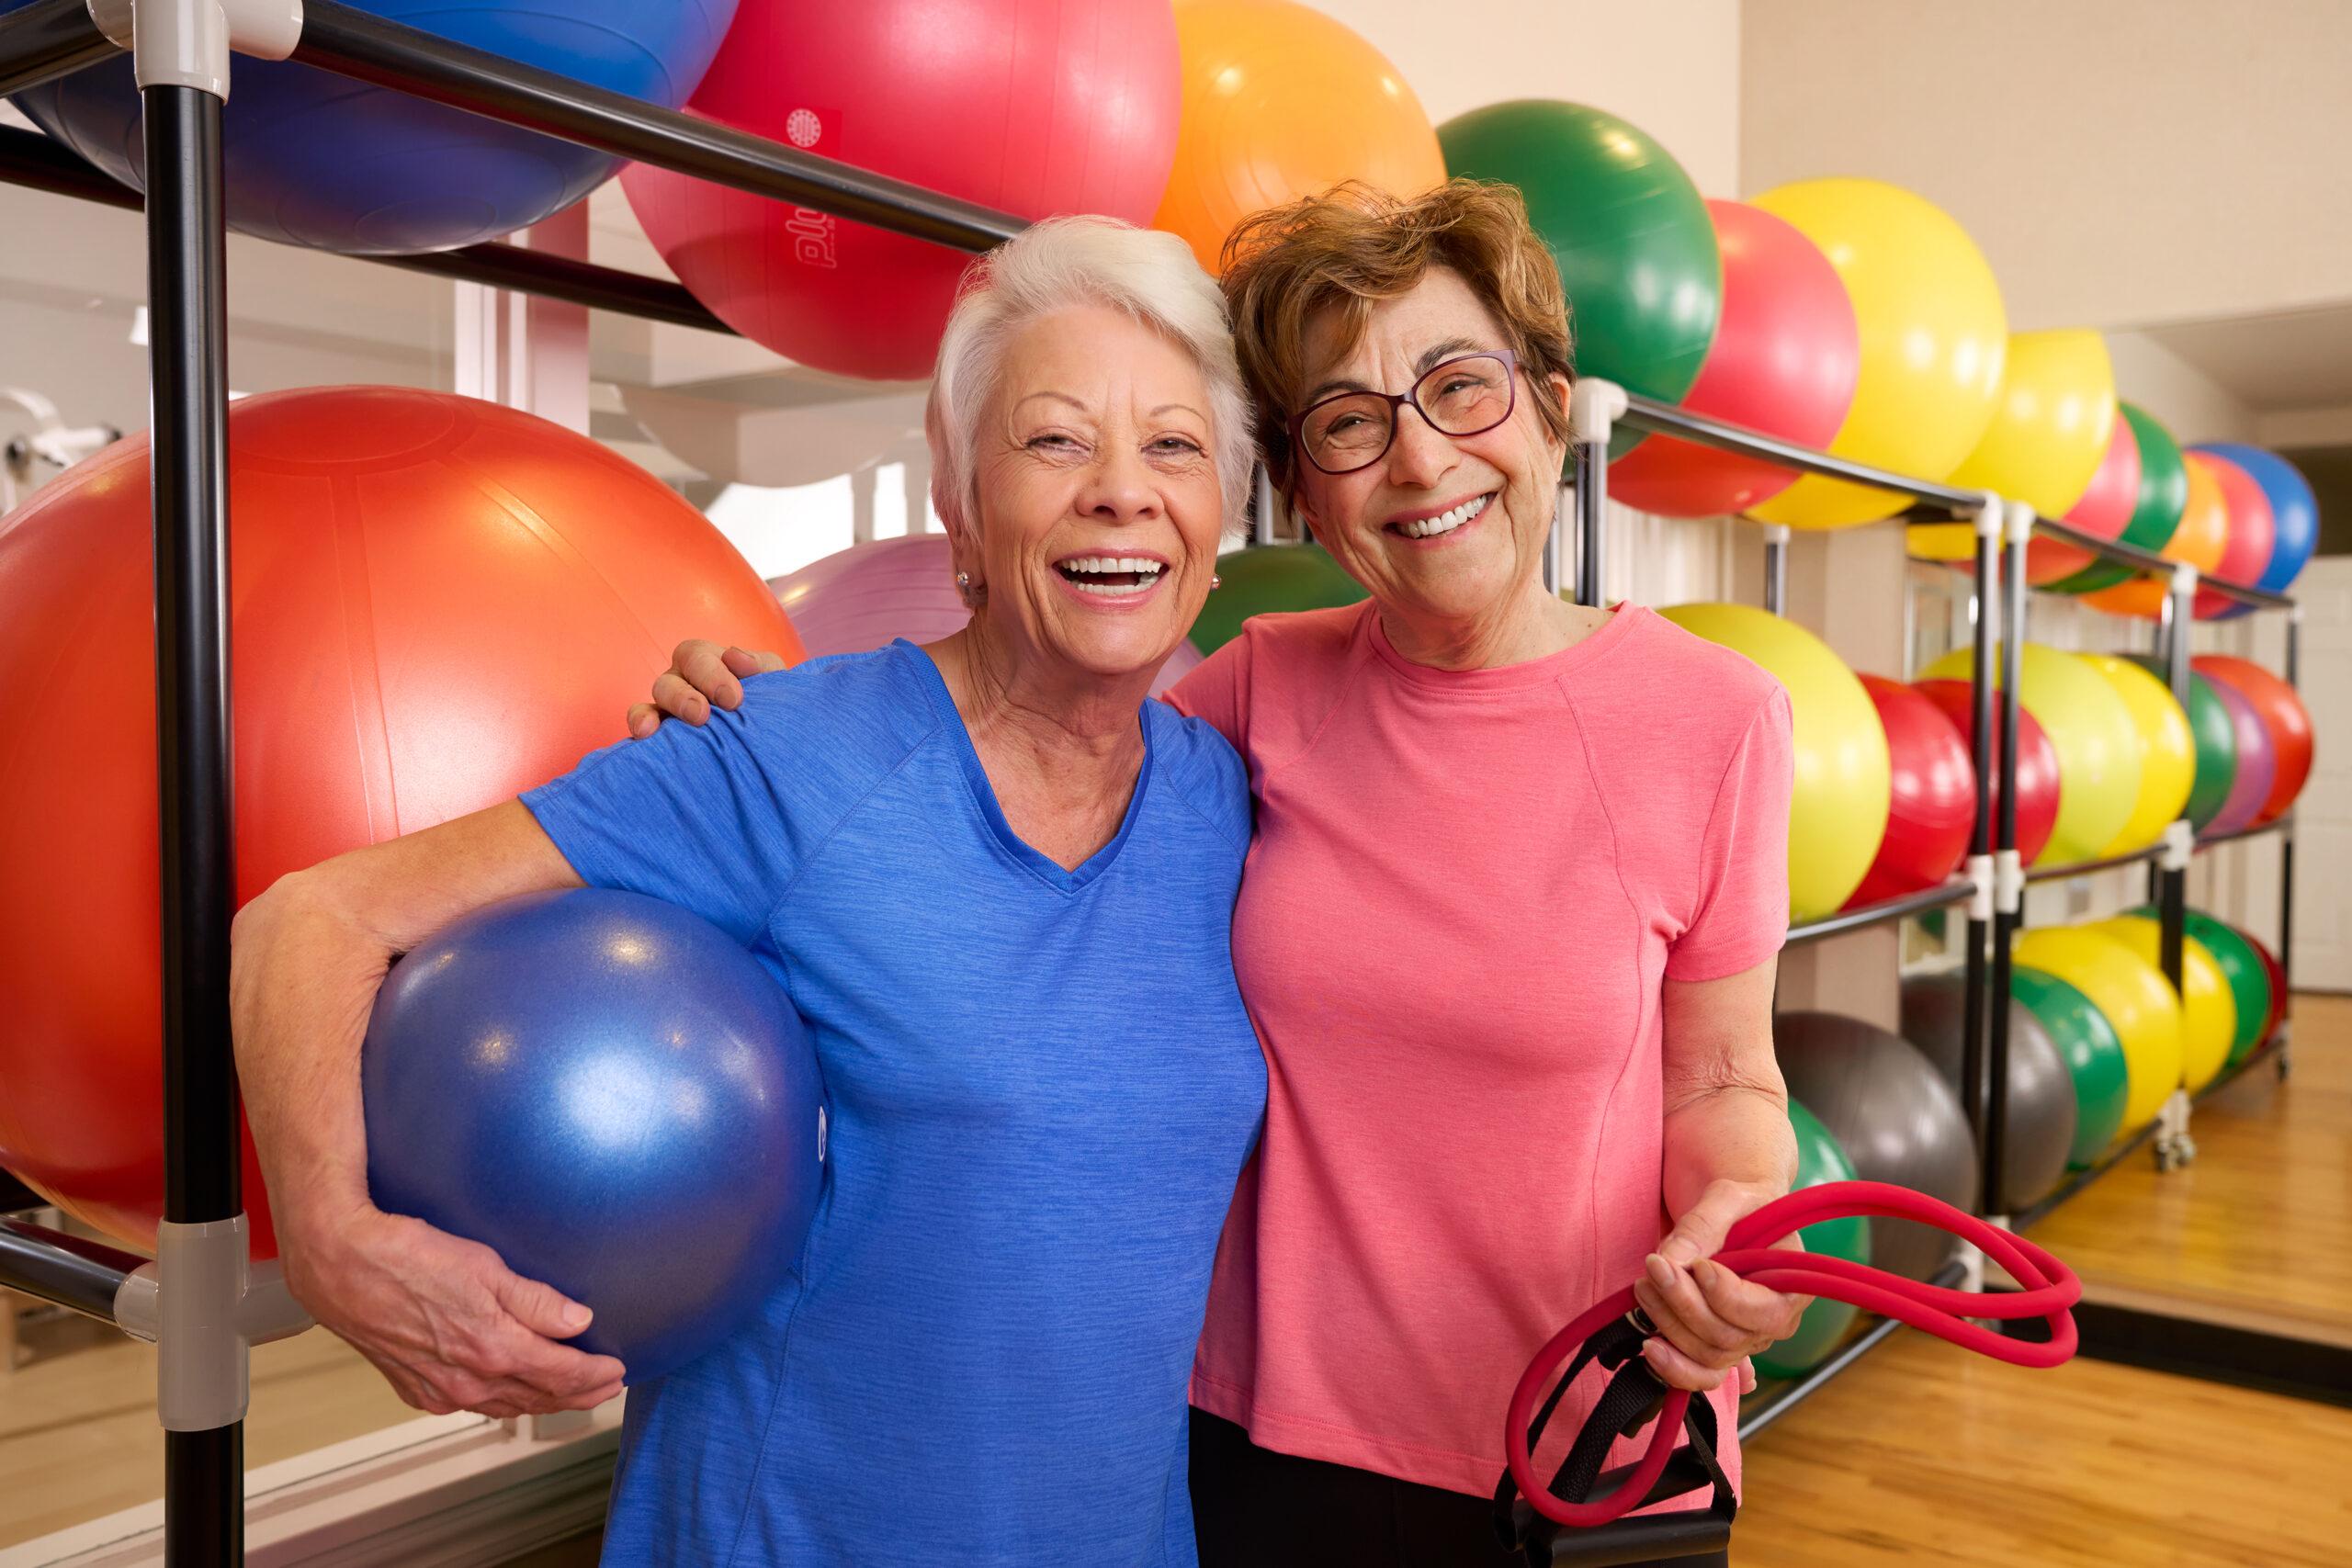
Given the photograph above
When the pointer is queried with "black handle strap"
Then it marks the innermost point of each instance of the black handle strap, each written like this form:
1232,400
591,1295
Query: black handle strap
1630,1401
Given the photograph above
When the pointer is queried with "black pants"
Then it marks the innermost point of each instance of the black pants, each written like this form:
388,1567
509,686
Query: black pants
1255,1508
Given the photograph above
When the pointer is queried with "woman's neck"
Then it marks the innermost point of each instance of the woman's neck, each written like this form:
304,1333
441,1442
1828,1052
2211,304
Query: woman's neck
1061,747
1528,625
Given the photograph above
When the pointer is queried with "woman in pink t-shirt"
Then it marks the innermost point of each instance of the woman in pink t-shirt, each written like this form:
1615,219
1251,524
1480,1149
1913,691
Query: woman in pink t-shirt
1507,928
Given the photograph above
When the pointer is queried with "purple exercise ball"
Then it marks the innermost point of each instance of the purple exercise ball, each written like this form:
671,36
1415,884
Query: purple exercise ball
2258,764
857,600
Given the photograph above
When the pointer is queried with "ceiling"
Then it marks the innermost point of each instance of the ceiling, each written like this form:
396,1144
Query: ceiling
2295,359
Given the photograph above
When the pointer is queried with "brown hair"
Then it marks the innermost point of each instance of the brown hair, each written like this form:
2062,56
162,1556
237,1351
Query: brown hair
1353,245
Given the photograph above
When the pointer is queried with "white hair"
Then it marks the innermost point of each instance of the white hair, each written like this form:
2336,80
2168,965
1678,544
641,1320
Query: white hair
1054,265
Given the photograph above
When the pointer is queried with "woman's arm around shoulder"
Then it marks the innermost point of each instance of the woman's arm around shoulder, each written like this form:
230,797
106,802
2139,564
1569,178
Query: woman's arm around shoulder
442,1318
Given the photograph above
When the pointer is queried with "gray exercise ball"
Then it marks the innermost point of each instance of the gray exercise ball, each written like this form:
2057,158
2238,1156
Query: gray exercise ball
1894,1116
2039,1128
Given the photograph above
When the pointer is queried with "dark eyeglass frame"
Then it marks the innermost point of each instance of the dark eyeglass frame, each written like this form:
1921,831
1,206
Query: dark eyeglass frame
1396,401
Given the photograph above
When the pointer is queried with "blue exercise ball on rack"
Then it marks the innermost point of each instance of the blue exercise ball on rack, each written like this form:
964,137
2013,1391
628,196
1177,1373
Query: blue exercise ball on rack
2293,509
317,159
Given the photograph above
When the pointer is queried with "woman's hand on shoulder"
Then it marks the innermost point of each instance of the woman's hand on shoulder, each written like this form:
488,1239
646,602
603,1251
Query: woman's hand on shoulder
1710,1320
449,1326
701,673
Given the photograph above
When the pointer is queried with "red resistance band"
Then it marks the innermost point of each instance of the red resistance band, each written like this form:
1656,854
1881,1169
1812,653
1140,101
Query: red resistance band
2048,1290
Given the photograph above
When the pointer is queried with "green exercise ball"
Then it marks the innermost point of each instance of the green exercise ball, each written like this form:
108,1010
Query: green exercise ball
2216,736
1266,580
1825,1323
2093,1054
2241,964
1630,233
2164,496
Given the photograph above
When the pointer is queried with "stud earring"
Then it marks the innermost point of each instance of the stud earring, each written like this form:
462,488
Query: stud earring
963,580
1216,581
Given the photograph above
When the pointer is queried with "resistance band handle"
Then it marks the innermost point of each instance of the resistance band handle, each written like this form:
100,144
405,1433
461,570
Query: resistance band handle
2048,1290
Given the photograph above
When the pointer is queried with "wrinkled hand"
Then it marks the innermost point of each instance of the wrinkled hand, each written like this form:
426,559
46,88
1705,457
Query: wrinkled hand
701,672
1709,1319
446,1322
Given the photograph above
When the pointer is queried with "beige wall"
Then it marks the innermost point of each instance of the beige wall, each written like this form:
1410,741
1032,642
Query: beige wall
1671,68
2123,162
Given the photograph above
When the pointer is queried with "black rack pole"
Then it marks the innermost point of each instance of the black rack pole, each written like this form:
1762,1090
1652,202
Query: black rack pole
2287,840
48,39
2009,910
2172,884
1592,499
187,263
386,54
1988,635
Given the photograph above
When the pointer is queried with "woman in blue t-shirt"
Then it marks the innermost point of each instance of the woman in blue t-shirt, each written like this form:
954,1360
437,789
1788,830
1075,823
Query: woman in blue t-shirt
998,884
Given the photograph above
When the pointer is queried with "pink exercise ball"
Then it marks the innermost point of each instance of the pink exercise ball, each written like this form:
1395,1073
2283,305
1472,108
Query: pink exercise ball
1031,106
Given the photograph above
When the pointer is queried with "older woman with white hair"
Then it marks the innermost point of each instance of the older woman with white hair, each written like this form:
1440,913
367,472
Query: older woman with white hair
998,884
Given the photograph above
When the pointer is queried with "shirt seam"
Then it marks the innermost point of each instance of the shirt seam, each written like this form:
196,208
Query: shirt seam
1631,1042
1723,786
1358,658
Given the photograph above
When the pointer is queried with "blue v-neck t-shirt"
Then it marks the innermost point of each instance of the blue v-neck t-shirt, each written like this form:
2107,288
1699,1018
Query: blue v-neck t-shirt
1040,1085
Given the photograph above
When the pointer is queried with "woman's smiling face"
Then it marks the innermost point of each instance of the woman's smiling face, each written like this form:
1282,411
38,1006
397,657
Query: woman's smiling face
1098,507
1444,530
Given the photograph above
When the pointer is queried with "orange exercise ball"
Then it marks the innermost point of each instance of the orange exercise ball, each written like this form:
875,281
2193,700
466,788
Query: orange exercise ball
2202,534
1280,102
435,603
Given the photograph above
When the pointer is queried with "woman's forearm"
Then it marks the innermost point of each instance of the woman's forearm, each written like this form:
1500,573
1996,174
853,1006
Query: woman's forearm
303,977
306,960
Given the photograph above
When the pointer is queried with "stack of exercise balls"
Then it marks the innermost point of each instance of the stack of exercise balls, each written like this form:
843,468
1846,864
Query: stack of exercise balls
2090,728
2050,432
2039,1130
388,546
2130,993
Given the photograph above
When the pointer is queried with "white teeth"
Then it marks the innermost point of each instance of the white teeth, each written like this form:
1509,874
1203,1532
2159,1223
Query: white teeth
1101,564
1444,522
1109,589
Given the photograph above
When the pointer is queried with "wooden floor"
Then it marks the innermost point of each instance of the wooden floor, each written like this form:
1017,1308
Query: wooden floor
2257,1231
1925,1455
78,1438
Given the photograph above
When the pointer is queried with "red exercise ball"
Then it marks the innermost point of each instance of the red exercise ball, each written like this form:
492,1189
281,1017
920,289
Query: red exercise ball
1785,361
1932,804
2105,509
2037,764
2283,716
1031,107
2253,531
435,604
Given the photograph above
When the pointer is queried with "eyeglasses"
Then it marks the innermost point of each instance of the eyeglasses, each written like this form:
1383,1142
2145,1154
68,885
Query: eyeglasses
1468,395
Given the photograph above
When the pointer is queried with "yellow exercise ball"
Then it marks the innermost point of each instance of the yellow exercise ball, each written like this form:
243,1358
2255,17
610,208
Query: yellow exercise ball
2130,994
2048,432
1838,813
1933,339
2168,751
2090,727
2209,1009
1279,101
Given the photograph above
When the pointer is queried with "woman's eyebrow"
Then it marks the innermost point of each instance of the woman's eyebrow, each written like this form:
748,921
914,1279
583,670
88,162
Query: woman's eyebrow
1430,358
1178,408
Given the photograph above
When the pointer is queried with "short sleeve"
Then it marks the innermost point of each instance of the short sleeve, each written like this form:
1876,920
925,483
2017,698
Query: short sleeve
1743,903
1216,692
689,816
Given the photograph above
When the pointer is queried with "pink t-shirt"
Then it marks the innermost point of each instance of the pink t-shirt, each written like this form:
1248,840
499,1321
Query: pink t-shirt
1466,889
